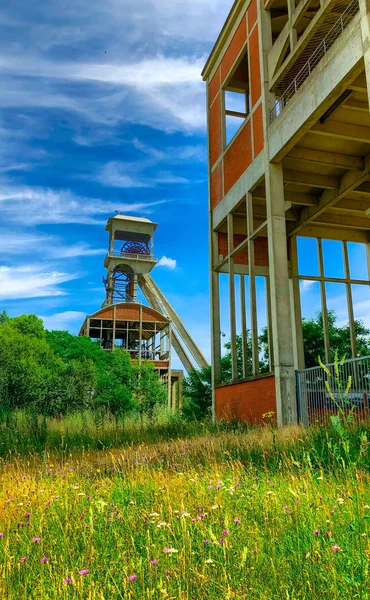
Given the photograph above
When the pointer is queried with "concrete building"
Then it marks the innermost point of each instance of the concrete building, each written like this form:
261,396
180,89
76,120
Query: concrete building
288,85
148,333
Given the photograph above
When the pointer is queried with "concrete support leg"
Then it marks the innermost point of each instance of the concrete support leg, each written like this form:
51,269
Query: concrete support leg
286,402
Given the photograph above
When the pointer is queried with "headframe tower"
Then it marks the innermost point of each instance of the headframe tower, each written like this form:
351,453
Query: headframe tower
146,332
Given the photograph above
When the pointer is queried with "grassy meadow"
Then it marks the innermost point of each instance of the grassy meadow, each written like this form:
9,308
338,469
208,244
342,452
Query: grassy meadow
183,512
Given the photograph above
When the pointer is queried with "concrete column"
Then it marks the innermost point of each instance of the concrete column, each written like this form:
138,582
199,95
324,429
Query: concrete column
180,391
368,258
286,402
252,287
298,347
174,395
230,242
215,319
243,318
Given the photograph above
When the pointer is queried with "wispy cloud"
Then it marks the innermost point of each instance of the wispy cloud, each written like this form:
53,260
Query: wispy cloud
69,320
32,281
61,206
169,263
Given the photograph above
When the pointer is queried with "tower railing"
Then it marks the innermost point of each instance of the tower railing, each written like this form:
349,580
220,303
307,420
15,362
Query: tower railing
119,254
322,49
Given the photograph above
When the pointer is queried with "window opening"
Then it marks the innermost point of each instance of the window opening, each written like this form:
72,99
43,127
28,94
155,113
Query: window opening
236,99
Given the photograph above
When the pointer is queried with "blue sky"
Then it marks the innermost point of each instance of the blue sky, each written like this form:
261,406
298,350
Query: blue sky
102,108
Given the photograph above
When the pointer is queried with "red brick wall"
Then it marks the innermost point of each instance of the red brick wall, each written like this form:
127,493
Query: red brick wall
252,14
238,157
234,48
260,249
257,130
248,142
215,136
216,185
214,86
255,71
247,400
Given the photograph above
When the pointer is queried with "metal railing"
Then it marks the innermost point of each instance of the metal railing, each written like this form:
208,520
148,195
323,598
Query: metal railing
316,403
112,253
315,58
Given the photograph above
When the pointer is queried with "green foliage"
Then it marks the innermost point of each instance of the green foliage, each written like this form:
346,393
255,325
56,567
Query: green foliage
197,391
148,391
54,373
339,337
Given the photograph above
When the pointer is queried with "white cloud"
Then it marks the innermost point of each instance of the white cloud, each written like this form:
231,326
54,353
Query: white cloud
306,285
69,320
32,281
41,205
169,263
20,243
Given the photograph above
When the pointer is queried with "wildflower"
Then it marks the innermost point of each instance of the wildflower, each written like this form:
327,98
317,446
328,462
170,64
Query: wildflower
327,533
209,561
154,562
316,532
255,550
169,550
67,580
237,521
83,572
36,540
44,560
1,535
132,577
340,501
27,515
222,541
336,548
225,532
23,559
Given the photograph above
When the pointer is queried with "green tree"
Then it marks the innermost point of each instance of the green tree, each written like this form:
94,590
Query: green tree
30,372
29,325
148,391
339,337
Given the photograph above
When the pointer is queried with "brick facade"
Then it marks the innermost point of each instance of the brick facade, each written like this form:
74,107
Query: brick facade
260,250
246,400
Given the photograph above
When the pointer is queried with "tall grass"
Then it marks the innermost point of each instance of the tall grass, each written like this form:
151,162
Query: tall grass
203,512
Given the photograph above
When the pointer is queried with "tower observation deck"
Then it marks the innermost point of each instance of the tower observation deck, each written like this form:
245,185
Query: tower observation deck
146,332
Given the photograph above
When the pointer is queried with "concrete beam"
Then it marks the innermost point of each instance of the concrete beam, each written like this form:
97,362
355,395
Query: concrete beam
345,131
332,159
348,182
311,179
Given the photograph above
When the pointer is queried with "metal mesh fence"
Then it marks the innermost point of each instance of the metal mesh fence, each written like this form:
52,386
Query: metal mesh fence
316,403
314,59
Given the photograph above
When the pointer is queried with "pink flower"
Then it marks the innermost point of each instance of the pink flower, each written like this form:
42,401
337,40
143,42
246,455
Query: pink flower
36,540
83,572
132,577
154,561
1,535
225,532
67,580
336,548
44,560
23,559
237,521
316,532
